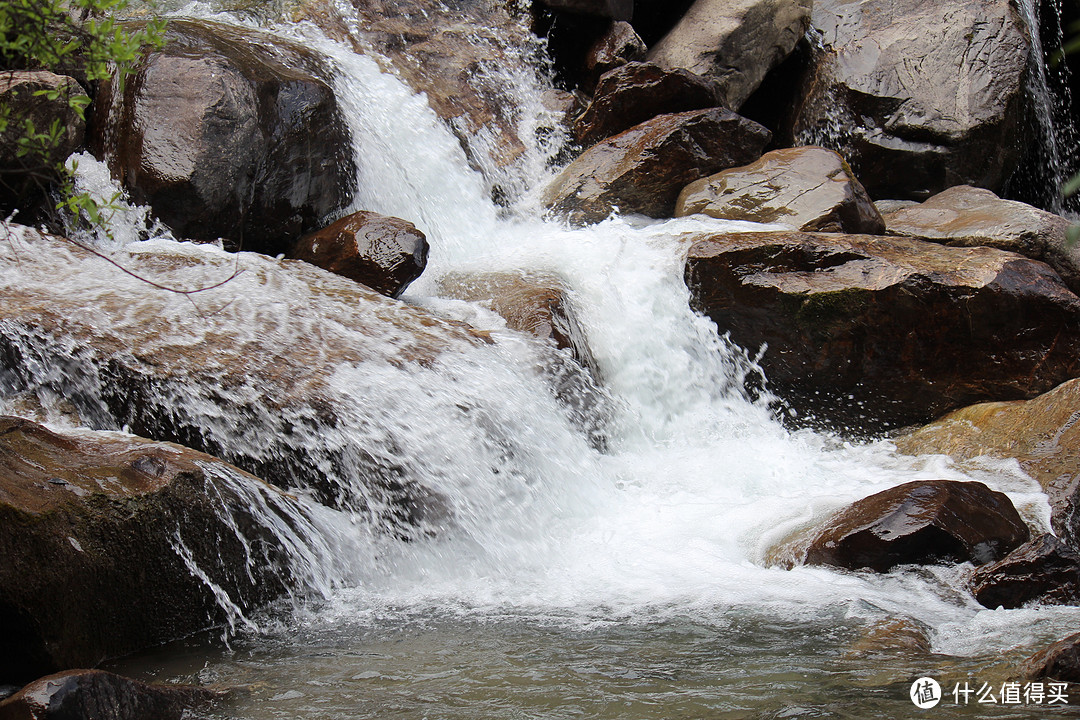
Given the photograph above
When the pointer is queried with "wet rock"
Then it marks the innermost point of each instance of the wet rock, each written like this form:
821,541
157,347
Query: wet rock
1043,434
964,216
927,521
735,42
100,533
25,181
918,96
214,133
1045,571
103,696
287,371
871,332
808,188
614,9
889,638
618,46
643,169
1059,661
635,92
384,253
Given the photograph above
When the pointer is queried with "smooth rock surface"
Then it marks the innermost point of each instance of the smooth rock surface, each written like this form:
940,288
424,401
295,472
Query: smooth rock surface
734,42
965,216
926,521
1043,571
1043,434
214,133
618,46
384,253
869,332
918,96
808,188
643,169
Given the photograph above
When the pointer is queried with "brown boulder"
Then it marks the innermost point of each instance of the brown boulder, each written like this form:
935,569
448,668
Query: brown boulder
618,46
1044,570
926,521
384,253
99,533
918,96
100,695
808,188
643,169
964,216
1059,661
1042,434
635,92
214,133
734,42
872,332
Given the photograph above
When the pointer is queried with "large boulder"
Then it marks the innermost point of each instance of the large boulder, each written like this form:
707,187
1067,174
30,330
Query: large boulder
918,96
808,188
215,131
871,332
925,521
618,46
635,92
113,543
1042,434
1044,570
40,98
965,216
287,371
104,696
384,253
643,169
734,42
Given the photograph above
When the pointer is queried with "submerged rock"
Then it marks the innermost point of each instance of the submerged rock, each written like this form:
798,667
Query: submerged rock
112,543
1044,571
384,253
808,188
1042,434
926,521
643,169
214,133
635,92
871,332
918,96
103,696
734,42
964,216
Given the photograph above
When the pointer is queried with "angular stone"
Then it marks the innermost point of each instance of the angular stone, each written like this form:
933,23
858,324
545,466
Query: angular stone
618,46
1043,434
964,216
921,522
643,169
214,133
1059,661
384,253
635,92
918,96
871,332
100,533
103,696
734,42
1044,570
808,188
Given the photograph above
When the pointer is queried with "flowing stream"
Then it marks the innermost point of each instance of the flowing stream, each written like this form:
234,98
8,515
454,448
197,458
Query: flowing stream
628,582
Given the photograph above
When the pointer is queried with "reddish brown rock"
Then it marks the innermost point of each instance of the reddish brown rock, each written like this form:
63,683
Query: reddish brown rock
871,332
808,188
927,521
1043,571
384,253
643,169
618,46
103,696
965,216
635,92
214,133
1059,661
1043,434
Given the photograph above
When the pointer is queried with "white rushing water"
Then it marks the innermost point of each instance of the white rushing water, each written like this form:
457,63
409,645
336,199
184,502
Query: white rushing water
676,518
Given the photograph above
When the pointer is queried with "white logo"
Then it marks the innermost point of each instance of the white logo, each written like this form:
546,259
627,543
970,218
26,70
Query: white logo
925,693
